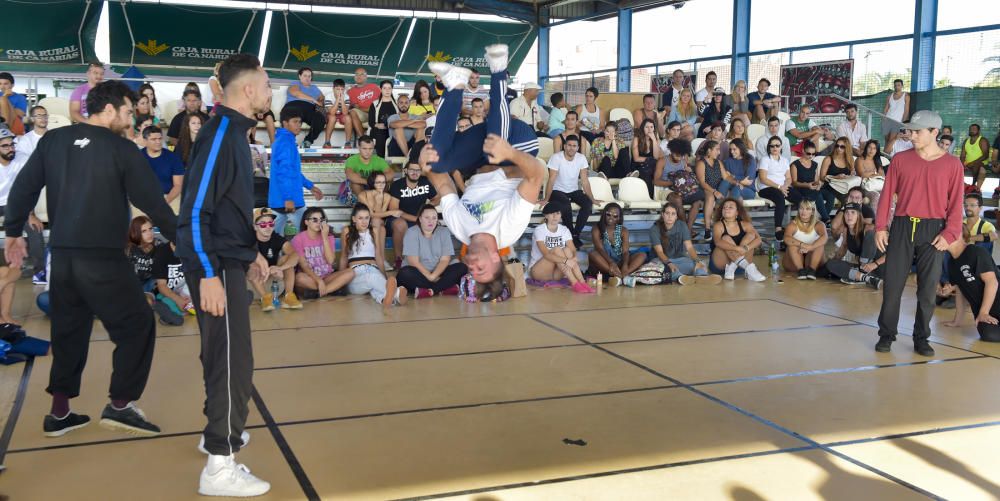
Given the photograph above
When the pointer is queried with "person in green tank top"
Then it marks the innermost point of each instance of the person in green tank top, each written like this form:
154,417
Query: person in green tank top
800,128
974,153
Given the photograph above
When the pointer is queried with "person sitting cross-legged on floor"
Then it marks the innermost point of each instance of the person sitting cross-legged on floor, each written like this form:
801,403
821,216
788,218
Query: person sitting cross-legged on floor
611,255
734,240
805,238
429,266
316,248
281,260
857,261
553,255
671,241
360,254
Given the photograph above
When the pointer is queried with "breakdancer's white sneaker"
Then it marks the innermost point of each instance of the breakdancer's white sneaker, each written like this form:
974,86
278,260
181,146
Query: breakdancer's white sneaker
223,476
453,77
496,56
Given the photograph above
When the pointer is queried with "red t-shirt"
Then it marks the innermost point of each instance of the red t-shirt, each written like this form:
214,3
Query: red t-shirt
924,189
363,96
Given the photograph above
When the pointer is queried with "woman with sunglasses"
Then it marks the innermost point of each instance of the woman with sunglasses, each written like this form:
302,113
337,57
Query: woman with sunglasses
805,180
611,254
837,173
281,260
367,261
316,249
774,178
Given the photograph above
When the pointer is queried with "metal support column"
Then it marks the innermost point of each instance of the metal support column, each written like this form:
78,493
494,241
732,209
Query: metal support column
741,43
924,26
543,61
624,50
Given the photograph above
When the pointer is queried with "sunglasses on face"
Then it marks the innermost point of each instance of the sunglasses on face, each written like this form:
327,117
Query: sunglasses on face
840,147
265,224
808,153
774,146
317,220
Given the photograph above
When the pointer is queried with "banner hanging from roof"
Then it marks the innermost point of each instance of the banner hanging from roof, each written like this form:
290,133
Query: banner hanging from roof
461,43
58,32
181,35
335,43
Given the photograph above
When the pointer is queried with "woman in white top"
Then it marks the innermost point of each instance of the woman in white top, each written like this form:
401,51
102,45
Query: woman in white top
773,179
590,115
367,260
897,108
553,257
805,238
214,86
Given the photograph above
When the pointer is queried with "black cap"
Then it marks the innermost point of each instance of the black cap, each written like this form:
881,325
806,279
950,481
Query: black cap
550,208
852,206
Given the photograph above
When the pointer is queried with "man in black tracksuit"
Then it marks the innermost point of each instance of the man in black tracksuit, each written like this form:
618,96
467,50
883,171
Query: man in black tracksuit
91,173
217,244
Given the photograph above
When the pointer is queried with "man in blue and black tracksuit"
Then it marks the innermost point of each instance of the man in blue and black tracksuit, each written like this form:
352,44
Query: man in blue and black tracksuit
217,244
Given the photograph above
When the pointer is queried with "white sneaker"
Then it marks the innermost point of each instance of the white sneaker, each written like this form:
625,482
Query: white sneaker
244,437
223,476
453,77
496,56
730,272
753,274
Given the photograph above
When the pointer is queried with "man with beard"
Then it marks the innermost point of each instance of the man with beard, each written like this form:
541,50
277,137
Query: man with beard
91,274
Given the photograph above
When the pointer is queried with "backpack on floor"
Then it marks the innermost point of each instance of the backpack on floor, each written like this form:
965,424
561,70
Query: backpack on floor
651,273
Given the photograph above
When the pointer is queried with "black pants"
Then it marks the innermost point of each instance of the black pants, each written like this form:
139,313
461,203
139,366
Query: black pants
310,115
775,196
617,169
226,359
647,169
816,196
564,200
102,284
909,239
411,278
842,269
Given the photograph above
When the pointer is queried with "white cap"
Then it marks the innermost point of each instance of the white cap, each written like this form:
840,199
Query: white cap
531,85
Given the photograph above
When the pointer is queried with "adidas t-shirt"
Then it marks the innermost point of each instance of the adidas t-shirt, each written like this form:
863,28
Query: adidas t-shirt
491,204
552,239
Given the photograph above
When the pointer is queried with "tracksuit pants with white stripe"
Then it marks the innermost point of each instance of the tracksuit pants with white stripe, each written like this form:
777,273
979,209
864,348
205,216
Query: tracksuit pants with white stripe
463,151
226,359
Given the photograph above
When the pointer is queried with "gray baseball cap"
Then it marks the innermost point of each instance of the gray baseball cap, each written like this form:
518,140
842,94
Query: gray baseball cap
924,119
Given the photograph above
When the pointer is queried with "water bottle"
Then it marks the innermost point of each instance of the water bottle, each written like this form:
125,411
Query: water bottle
772,256
274,293
600,282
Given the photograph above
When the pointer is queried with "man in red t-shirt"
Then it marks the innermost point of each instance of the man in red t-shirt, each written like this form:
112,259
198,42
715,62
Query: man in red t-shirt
362,95
927,183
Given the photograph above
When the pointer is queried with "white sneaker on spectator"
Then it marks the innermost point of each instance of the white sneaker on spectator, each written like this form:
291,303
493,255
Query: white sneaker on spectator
496,56
223,476
453,77
753,274
244,437
730,272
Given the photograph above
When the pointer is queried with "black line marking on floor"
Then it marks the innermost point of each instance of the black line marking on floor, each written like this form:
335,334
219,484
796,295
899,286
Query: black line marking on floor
286,449
531,348
15,410
751,415
987,355
611,473
121,440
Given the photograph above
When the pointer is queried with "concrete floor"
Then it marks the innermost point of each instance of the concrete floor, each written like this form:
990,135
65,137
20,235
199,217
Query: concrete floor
739,391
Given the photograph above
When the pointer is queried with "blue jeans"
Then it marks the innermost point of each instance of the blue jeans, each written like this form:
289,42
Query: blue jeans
295,218
463,151
685,266
736,191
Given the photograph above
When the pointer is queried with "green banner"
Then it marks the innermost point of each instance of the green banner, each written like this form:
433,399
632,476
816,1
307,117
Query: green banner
335,43
180,35
461,43
56,32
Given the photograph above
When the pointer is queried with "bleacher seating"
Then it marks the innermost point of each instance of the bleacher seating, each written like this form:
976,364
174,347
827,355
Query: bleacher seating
619,113
601,189
755,132
56,121
696,143
55,106
545,149
634,193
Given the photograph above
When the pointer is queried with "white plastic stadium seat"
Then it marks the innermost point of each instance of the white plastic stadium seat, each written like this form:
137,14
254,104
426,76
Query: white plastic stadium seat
56,121
755,132
755,202
55,106
545,149
170,110
601,189
620,113
695,143
634,193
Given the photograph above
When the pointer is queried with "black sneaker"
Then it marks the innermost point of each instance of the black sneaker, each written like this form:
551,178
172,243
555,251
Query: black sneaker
55,427
923,348
884,344
810,274
803,274
130,420
874,282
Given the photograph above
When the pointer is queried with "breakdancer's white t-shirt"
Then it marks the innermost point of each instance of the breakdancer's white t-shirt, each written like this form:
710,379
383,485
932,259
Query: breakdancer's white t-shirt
490,204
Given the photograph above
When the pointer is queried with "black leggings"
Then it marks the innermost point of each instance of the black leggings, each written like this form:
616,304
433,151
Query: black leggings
775,196
411,278
310,115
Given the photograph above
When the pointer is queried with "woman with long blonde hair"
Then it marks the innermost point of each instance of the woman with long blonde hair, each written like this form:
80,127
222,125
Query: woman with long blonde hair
739,102
686,112
805,238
